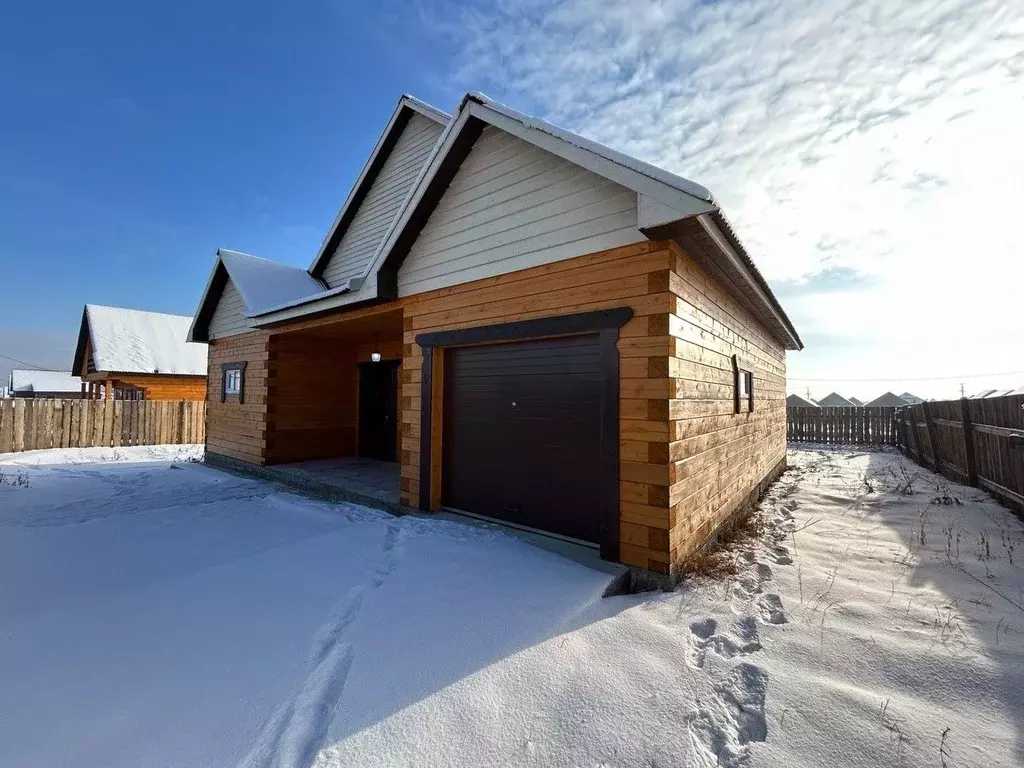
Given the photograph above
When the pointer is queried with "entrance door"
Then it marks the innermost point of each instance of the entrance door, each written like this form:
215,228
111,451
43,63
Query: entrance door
378,409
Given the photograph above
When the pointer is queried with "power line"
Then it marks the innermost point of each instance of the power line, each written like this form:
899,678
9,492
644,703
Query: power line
24,362
918,378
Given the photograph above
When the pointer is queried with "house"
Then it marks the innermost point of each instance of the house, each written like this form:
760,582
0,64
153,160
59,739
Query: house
857,403
888,399
910,399
36,383
534,328
983,393
795,401
834,400
129,354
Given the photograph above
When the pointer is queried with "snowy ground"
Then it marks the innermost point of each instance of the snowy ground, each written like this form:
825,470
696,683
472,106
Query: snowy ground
156,612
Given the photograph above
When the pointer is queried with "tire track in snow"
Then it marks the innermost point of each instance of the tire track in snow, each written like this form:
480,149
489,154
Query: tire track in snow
296,732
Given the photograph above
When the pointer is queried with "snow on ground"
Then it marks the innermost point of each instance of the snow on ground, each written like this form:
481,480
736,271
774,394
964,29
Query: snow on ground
154,611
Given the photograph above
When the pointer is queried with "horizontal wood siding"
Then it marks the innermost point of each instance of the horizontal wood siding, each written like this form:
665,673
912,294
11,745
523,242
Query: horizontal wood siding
238,429
381,204
512,206
717,458
166,387
630,276
229,315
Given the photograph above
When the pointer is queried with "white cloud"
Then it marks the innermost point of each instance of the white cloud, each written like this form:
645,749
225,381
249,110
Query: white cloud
880,137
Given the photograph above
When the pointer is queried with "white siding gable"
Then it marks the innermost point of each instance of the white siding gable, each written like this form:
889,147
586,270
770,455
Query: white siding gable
512,206
378,209
229,316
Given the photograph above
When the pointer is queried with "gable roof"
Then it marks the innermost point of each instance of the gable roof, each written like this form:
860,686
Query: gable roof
668,207
135,341
887,399
855,401
262,284
23,380
835,400
406,108
911,399
795,401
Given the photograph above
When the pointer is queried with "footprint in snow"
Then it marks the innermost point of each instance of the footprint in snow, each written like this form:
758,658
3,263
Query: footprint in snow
780,556
770,609
721,731
704,637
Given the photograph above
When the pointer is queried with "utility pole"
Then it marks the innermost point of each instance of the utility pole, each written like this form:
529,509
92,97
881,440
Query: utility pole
808,393
961,389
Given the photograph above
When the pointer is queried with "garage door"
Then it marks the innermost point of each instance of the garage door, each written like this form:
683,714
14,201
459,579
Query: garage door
521,436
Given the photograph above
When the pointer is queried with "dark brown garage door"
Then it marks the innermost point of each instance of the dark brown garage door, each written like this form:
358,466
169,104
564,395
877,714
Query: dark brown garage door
522,433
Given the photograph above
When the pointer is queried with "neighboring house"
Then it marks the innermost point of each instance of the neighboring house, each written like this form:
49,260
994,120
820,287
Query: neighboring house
53,384
888,399
910,399
537,329
834,400
983,393
795,401
856,402
129,354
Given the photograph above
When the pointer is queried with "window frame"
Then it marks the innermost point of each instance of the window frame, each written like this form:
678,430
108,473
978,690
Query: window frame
226,370
743,385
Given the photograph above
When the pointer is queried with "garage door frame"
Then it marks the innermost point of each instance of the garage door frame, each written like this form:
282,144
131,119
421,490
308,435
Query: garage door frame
606,324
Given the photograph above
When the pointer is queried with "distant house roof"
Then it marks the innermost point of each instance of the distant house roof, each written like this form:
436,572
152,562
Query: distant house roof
886,400
835,400
795,401
855,401
44,381
135,341
982,393
911,399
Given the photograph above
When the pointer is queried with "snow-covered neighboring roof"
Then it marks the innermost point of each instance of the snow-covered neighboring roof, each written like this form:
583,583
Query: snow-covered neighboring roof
264,283
795,401
23,380
136,341
982,393
889,398
835,400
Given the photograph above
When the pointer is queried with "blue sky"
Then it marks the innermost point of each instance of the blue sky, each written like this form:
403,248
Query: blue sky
137,140
867,153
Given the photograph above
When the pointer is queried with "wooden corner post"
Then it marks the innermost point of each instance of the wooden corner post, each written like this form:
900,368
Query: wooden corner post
968,433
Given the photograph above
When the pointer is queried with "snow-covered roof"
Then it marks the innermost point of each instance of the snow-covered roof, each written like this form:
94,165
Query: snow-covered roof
135,341
795,401
264,283
44,381
664,200
835,400
888,399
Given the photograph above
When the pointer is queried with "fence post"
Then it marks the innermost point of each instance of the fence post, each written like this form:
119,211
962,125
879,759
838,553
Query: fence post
933,441
968,432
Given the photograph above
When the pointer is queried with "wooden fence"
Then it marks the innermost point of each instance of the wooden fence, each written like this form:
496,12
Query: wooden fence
974,441
873,425
30,424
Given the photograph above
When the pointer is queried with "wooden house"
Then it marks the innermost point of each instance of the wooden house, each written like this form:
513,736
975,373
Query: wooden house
51,384
538,330
129,354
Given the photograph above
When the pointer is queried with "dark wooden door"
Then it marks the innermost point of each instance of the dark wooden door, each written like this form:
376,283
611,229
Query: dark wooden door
522,432
378,409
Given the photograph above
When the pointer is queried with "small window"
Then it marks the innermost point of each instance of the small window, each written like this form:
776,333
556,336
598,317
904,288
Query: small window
743,378
232,381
